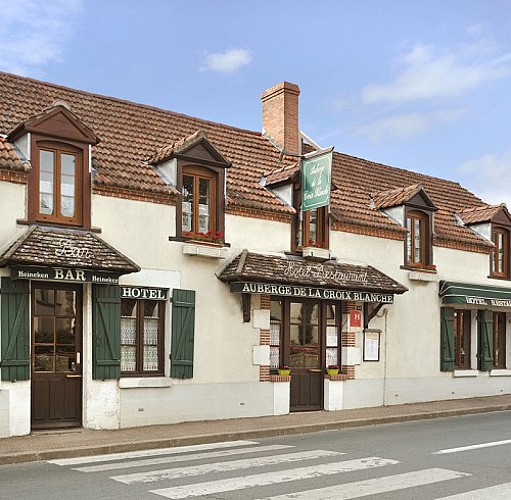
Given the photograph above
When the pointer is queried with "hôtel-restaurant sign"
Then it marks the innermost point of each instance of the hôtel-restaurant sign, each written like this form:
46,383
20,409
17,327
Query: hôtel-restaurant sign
308,292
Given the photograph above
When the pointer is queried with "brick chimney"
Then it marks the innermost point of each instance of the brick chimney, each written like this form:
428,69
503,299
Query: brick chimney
280,115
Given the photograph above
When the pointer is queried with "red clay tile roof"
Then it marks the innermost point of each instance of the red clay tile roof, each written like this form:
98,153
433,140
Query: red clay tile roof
255,267
480,214
131,133
182,145
395,197
282,174
49,246
357,178
9,160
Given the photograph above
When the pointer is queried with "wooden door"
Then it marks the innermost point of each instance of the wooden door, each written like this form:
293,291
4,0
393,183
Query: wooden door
305,355
56,356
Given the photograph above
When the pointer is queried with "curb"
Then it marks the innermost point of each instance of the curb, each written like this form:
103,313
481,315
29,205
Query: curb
35,456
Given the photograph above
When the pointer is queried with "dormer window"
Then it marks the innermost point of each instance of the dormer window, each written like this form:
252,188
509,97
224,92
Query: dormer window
412,208
198,201
59,182
500,254
492,222
196,169
417,240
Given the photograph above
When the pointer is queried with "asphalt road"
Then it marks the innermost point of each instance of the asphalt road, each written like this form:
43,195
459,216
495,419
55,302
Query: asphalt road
430,459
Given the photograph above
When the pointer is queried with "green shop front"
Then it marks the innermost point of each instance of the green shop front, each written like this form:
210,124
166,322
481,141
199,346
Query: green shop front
474,327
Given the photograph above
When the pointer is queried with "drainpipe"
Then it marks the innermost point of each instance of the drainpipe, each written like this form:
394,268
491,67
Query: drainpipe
385,360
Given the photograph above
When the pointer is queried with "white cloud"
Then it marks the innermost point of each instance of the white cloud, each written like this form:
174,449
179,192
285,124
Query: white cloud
32,33
226,62
486,177
427,72
405,125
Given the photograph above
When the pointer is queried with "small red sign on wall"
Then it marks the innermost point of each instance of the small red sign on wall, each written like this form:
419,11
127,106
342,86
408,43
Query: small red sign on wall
355,319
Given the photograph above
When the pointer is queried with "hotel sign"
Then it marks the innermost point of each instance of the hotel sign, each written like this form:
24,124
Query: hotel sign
316,181
480,301
145,293
308,292
68,275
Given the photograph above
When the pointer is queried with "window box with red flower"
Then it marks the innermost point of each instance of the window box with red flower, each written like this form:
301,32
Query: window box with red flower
207,244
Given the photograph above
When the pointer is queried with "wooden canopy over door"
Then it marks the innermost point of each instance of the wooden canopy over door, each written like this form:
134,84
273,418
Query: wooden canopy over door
56,355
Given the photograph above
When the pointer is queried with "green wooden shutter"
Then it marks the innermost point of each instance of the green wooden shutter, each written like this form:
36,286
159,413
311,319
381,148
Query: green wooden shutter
183,326
486,341
106,332
447,355
15,330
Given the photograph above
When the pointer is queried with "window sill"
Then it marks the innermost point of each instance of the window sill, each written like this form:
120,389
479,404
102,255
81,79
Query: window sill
144,382
422,275
464,373
205,249
499,277
500,372
316,253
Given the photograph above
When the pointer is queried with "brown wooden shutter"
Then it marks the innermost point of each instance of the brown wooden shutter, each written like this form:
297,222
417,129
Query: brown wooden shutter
15,330
447,354
106,332
183,326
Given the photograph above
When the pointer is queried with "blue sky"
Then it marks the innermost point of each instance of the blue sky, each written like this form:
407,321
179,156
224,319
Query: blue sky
418,84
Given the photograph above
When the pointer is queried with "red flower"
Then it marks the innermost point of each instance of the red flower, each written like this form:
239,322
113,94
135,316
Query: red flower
210,236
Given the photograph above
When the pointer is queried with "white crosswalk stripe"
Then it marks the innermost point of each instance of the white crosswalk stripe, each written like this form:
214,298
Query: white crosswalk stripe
375,486
499,492
276,477
198,470
472,447
270,465
149,453
179,458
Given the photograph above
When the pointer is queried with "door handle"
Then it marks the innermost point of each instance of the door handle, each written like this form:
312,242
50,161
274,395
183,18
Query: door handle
74,376
314,370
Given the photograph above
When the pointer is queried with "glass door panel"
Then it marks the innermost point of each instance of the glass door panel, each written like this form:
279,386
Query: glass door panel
304,336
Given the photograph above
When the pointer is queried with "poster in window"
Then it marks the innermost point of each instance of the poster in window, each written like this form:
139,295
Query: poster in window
331,336
371,345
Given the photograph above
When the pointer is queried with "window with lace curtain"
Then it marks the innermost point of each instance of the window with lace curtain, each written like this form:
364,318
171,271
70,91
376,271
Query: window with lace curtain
142,337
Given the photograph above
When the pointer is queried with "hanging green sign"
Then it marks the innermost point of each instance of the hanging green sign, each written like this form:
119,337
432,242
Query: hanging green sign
316,181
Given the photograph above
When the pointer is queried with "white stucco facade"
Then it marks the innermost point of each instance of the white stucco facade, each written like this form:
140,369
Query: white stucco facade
196,273
228,352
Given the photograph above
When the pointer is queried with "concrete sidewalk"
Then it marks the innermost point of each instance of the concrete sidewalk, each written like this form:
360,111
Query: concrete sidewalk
83,442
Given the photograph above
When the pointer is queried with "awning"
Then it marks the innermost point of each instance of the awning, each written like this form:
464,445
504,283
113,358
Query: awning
254,273
42,252
479,295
